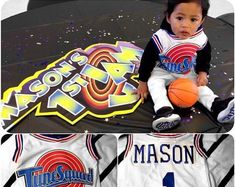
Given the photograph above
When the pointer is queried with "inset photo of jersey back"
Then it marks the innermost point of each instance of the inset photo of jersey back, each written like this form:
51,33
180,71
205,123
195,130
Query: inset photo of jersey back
56,160
176,160
118,67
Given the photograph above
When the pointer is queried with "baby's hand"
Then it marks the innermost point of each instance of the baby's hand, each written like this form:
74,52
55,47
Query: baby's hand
142,90
202,79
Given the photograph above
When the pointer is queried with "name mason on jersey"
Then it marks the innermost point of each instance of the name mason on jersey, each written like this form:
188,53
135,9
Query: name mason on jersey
151,153
55,178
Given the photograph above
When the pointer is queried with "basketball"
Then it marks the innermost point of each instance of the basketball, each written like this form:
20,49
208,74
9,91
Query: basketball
183,92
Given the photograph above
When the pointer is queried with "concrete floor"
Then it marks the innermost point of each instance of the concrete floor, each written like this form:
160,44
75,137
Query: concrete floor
13,7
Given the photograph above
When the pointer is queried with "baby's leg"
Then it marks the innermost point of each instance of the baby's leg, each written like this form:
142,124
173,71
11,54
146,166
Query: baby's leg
222,109
165,118
206,96
157,88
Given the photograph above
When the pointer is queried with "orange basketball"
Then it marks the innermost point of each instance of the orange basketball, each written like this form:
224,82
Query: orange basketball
183,92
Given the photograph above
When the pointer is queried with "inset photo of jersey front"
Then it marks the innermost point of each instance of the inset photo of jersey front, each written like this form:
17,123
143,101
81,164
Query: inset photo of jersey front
73,67
30,160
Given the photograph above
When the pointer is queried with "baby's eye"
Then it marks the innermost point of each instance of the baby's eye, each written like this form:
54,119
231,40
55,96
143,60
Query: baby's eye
179,18
193,19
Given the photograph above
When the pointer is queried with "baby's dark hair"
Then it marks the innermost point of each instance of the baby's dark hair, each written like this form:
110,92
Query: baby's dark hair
173,3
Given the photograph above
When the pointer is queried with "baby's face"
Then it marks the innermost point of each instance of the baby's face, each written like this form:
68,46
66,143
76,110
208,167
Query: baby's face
185,19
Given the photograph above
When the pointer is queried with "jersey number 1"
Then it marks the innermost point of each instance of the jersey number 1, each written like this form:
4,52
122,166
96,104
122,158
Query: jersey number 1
168,180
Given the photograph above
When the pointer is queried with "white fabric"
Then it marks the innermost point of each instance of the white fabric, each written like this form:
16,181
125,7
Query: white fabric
35,149
178,55
168,41
107,149
139,174
203,171
222,158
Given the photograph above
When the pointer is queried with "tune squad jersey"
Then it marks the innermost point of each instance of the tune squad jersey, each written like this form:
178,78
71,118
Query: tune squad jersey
163,160
177,55
40,161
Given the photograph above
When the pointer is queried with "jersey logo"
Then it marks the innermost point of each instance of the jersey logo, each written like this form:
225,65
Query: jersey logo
57,168
180,58
97,81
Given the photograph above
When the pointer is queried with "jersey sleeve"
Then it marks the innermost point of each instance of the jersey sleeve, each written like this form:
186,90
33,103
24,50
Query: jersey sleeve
8,151
124,145
90,143
203,59
219,157
148,60
221,160
107,149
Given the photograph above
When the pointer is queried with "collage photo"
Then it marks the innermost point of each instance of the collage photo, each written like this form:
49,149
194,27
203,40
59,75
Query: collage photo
113,93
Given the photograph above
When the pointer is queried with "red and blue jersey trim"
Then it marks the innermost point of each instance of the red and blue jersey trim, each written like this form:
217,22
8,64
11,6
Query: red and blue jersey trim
19,147
193,36
129,144
49,138
157,43
91,147
198,145
167,135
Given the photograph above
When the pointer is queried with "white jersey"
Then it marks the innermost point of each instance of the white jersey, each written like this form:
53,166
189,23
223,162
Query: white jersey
40,161
164,160
177,55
